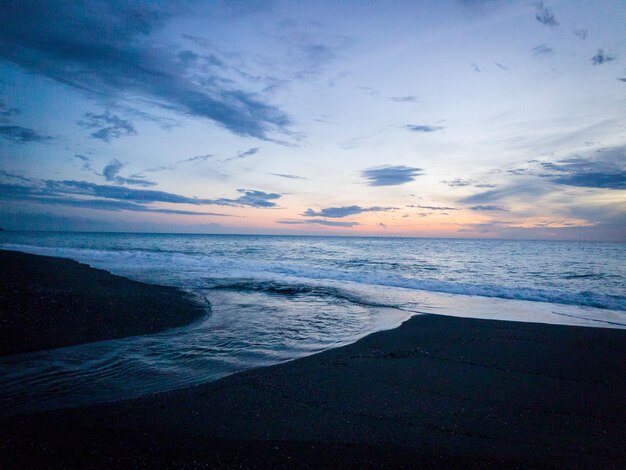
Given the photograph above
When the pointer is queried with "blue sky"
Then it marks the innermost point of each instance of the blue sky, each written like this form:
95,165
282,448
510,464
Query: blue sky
445,118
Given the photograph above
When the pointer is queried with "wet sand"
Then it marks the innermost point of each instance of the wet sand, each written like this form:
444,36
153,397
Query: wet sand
437,392
48,302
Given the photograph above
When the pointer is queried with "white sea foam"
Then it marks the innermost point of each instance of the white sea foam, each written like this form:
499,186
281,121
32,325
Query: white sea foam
196,268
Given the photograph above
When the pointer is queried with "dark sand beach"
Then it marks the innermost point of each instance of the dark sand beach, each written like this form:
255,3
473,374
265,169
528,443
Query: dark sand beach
48,302
435,392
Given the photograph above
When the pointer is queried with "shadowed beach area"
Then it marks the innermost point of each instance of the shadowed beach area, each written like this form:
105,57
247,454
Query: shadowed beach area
48,302
437,392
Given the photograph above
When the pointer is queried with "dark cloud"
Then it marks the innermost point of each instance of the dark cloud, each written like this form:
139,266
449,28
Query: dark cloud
107,50
544,15
18,188
588,173
434,208
111,173
22,135
291,177
601,58
604,169
489,207
422,128
330,223
339,212
391,175
581,33
107,126
252,198
405,99
542,49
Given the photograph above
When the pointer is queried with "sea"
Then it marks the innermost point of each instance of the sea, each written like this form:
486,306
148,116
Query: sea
271,299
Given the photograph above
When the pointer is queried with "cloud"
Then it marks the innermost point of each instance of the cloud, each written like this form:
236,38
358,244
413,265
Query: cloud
197,159
545,15
489,207
339,212
244,154
6,112
542,49
390,175
330,223
252,198
291,177
434,208
110,52
460,182
405,99
111,173
527,190
22,135
588,173
108,126
71,192
422,128
605,169
601,58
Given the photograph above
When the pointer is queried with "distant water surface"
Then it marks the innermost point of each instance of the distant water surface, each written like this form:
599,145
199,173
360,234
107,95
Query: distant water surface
275,298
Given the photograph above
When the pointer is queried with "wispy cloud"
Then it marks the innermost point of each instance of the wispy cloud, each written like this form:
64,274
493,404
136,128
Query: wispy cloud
6,111
434,208
460,182
585,172
517,191
391,175
66,191
330,223
605,169
405,99
22,135
489,207
110,52
601,58
339,212
542,49
291,177
544,15
111,173
422,128
244,154
197,159
107,126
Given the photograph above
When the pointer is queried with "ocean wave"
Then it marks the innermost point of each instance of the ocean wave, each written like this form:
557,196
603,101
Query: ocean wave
197,268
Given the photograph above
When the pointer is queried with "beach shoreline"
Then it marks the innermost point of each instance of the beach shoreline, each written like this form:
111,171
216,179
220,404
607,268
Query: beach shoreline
48,302
436,391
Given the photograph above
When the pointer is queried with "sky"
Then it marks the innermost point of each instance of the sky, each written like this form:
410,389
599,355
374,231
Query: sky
475,118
